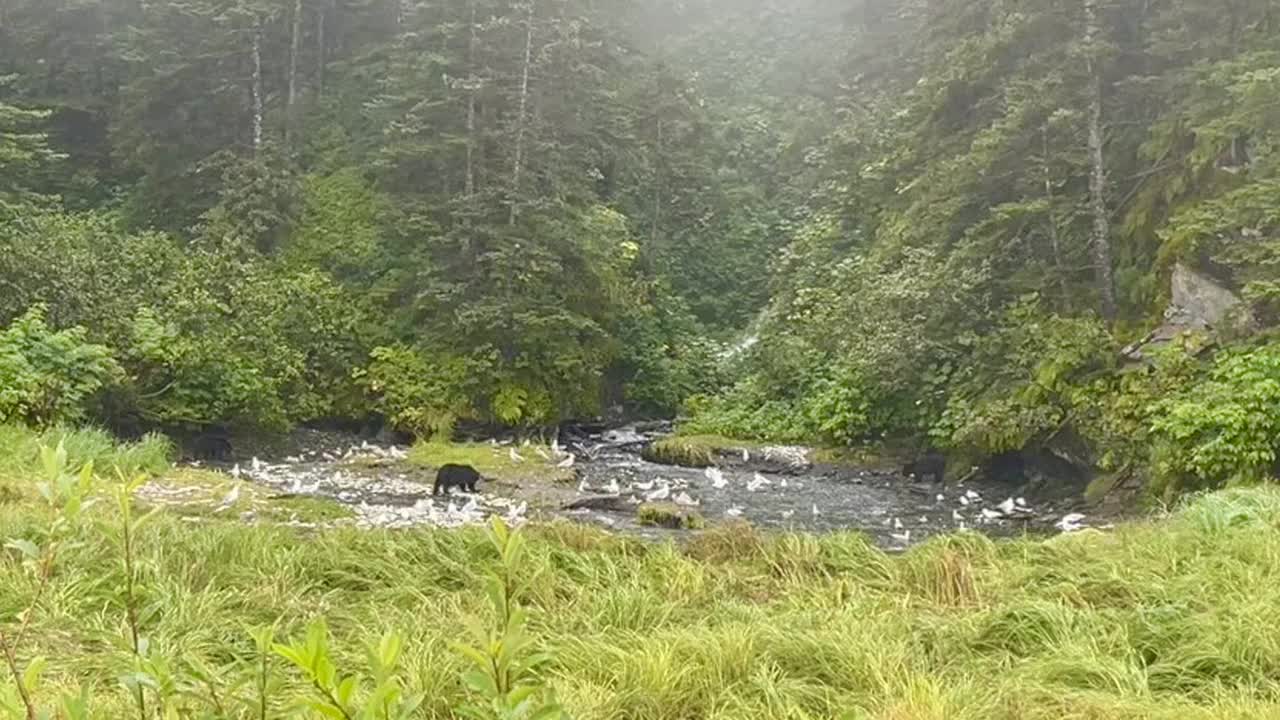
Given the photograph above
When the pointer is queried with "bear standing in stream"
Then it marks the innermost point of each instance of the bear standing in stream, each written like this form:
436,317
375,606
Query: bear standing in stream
932,464
456,476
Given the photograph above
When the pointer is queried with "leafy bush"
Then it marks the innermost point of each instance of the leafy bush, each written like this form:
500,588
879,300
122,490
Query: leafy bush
207,334
49,376
1023,380
421,395
1224,429
666,357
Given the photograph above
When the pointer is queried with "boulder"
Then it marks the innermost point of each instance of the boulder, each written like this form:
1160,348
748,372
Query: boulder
1199,305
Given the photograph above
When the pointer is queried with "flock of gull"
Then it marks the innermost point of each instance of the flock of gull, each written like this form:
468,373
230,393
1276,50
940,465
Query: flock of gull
389,499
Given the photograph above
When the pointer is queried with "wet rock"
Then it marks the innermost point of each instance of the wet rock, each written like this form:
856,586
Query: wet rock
601,503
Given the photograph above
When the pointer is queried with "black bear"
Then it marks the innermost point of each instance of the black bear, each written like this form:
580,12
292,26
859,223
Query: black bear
932,464
213,445
456,476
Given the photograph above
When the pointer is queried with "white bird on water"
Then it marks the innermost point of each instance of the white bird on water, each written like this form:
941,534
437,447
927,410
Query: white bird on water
716,477
782,483
567,462
661,493
643,487
746,455
955,515
734,512
904,538
816,511
515,456
897,524
684,500
1006,507
1073,522
758,482
788,514
257,464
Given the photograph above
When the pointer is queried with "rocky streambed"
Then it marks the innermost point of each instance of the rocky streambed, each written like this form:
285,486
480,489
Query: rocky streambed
780,488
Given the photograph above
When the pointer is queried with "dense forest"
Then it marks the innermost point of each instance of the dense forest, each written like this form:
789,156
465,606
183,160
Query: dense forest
827,221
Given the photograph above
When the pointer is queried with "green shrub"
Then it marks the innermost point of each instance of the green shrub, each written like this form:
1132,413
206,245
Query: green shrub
1024,380
1224,429
419,394
48,376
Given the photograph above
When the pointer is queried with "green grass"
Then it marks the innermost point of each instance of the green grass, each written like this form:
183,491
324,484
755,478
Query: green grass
1173,619
493,461
669,515
20,452
694,450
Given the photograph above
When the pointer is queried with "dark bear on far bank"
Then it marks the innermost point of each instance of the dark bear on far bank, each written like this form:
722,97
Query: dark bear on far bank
456,476
932,465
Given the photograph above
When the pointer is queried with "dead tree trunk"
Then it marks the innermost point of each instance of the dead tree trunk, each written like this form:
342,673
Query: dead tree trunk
657,187
257,89
473,87
1101,240
522,118
1051,215
292,98
322,45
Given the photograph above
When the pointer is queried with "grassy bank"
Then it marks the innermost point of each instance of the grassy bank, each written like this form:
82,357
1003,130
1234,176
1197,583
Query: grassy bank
495,462
1172,619
695,450
20,452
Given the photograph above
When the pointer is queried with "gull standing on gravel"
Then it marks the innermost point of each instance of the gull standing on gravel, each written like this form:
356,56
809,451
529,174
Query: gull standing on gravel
230,500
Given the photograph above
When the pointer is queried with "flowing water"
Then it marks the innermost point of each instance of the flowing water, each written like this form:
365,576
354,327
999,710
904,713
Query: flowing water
775,488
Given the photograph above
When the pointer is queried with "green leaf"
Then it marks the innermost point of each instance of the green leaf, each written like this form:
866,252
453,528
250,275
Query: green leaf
35,668
28,549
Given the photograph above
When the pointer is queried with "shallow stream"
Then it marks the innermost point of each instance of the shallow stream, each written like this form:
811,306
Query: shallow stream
777,488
